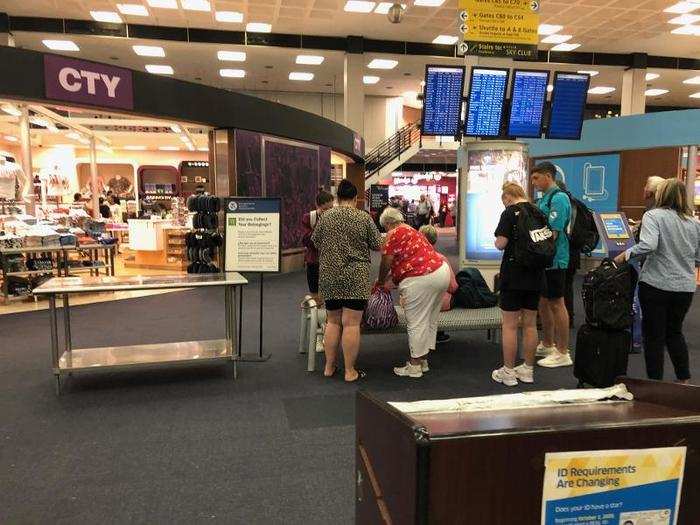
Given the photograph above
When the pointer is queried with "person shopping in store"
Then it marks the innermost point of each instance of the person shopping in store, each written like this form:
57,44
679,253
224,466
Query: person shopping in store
423,278
670,240
344,237
324,202
424,211
519,293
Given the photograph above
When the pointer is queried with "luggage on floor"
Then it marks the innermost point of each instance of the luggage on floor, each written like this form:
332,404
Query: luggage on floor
608,295
472,291
380,313
601,355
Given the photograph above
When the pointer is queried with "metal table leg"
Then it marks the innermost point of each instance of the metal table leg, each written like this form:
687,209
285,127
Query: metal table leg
53,319
66,323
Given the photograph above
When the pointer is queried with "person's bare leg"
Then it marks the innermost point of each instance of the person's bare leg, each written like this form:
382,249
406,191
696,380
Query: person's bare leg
529,324
547,318
351,341
510,338
561,324
332,336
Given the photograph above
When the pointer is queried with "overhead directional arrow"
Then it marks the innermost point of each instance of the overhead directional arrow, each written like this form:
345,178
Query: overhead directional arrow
534,6
463,48
463,16
463,28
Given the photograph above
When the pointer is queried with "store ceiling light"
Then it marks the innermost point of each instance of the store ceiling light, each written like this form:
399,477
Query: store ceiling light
695,95
601,90
38,121
548,29
135,148
106,16
11,138
565,47
231,17
693,80
685,19
359,6
689,30
158,69
195,5
202,149
310,60
301,76
429,3
169,148
556,39
651,76
11,110
231,56
163,4
258,27
370,79
682,8
655,92
61,45
382,63
232,73
445,39
149,51
588,72
132,9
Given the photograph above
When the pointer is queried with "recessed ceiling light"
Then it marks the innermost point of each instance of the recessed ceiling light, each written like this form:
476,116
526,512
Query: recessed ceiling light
687,30
684,19
38,121
299,75
601,90
429,3
651,76
359,6
383,7
158,69
445,39
683,7
132,9
548,29
556,39
588,72
655,92
61,45
196,5
693,80
258,27
11,138
169,148
310,60
382,63
106,16
231,56
695,95
135,148
370,79
233,17
565,47
149,51
163,4
550,88
11,110
232,73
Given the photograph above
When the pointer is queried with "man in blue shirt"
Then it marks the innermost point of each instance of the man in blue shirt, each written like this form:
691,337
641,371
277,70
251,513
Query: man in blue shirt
556,206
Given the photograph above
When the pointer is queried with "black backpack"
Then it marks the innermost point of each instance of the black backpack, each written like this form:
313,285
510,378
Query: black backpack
533,245
608,295
582,229
472,291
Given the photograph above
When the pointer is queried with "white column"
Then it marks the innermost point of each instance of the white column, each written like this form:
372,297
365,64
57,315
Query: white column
26,152
634,84
691,174
93,178
354,92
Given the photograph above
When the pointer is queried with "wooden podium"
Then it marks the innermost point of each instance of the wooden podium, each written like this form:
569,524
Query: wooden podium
487,467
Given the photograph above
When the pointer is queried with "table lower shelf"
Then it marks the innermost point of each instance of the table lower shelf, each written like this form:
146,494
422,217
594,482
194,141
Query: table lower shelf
149,355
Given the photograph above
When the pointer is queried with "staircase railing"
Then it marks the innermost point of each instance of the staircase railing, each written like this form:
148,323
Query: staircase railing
391,148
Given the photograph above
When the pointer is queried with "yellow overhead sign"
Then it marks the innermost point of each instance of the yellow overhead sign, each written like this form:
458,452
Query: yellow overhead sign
512,28
511,6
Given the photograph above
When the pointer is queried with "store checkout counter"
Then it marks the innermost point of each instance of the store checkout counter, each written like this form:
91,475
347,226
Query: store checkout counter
157,244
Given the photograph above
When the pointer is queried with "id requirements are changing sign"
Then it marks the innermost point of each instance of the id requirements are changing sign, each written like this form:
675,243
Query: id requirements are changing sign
253,235
613,487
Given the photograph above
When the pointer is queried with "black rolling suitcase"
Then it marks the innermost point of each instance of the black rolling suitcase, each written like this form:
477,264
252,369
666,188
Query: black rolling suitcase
601,355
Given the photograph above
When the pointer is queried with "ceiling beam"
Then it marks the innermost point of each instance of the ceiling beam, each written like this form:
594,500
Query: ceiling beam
67,122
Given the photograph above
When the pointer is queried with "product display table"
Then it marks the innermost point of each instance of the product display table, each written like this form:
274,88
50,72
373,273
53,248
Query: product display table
72,360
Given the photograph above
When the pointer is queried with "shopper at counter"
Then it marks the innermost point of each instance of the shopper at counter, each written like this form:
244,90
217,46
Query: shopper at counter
324,202
105,212
344,237
422,277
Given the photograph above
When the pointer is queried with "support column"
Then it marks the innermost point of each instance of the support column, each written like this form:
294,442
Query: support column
26,152
634,84
93,178
691,174
354,92
6,38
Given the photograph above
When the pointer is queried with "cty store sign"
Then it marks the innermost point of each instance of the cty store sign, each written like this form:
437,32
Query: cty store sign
84,82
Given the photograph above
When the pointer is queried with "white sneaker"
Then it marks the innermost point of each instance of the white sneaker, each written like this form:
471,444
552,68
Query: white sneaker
524,373
544,351
556,359
505,376
409,370
424,366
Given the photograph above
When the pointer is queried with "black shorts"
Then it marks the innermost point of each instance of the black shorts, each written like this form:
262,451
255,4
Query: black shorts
555,284
358,305
516,300
312,277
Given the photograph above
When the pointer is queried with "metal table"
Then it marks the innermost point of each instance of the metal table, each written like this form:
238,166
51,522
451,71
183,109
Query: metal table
72,360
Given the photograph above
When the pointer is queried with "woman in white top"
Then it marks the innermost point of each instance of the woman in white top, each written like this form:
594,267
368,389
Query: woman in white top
670,240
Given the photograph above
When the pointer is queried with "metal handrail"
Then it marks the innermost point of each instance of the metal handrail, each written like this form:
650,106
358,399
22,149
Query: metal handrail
391,148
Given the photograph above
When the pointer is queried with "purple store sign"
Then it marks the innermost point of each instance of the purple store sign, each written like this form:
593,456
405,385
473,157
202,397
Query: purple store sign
90,83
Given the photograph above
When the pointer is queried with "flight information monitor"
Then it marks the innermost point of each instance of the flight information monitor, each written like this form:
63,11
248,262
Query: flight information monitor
568,103
487,94
527,103
442,100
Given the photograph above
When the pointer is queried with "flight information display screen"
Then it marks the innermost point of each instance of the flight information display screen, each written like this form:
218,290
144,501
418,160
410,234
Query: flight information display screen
442,100
487,93
568,103
527,103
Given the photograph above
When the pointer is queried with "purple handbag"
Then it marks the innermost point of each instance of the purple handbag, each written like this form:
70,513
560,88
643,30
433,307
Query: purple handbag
380,313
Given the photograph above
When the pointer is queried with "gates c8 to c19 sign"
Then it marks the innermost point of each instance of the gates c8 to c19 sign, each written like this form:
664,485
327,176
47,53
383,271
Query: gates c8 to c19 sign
84,82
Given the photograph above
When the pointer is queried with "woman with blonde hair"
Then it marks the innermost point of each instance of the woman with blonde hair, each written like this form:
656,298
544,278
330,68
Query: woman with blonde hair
670,240
520,290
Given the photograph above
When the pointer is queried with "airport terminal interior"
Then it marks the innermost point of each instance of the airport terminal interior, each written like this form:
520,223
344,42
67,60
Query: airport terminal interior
350,261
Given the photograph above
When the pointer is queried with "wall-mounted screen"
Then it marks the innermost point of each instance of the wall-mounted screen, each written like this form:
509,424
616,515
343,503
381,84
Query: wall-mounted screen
442,100
527,103
568,103
487,93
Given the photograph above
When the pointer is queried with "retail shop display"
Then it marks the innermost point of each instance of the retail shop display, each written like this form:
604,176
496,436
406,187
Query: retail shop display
204,242
194,178
13,181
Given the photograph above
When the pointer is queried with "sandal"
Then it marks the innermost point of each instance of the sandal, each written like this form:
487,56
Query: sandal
335,370
361,375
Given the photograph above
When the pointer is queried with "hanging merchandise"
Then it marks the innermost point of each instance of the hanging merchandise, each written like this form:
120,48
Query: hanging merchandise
13,181
204,242
57,184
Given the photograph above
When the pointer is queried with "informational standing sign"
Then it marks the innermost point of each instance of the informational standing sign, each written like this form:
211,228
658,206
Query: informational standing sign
253,235
378,197
613,487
